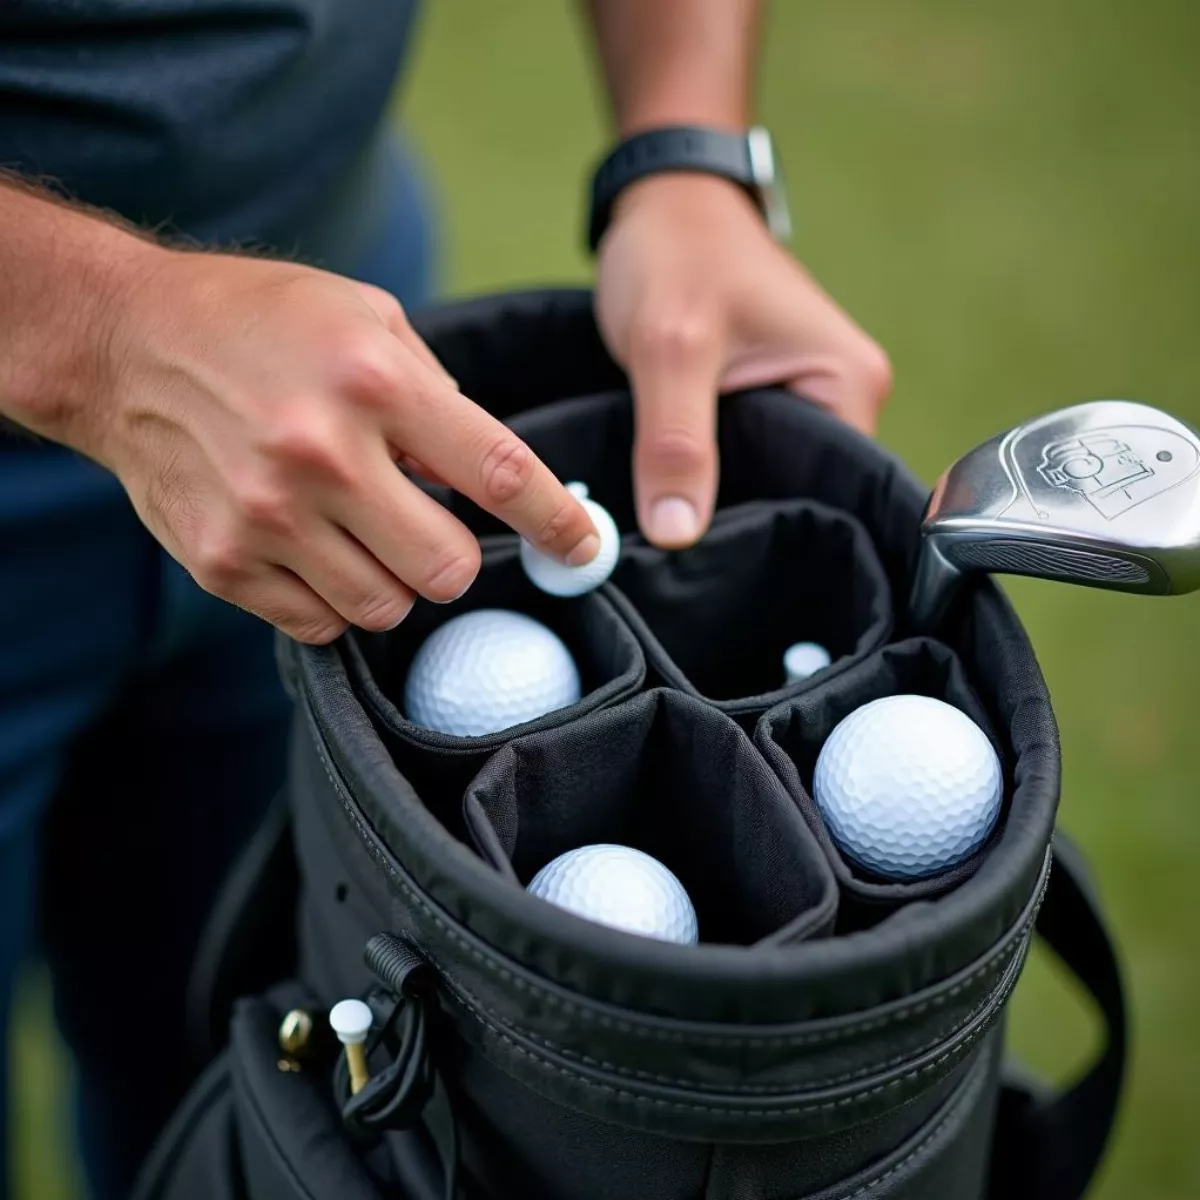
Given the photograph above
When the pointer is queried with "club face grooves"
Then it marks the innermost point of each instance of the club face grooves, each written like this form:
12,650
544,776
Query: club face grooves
1011,556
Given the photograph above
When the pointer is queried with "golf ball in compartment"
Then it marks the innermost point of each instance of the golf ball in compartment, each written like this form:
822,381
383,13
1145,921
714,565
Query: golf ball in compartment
557,578
804,659
908,786
489,670
621,887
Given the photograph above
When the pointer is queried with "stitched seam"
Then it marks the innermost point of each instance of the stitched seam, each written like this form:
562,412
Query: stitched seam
739,1114
474,1001
732,1040
918,1151
475,1005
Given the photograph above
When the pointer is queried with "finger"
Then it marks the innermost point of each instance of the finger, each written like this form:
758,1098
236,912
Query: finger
288,603
419,468
852,381
484,460
833,363
855,408
221,569
347,578
391,312
406,530
675,380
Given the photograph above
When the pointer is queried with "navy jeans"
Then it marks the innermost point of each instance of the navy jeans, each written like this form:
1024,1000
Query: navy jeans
142,731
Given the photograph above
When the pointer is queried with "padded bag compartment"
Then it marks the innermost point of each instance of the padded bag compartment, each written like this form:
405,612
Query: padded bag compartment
259,1125
792,734
717,617
610,661
676,779
195,1156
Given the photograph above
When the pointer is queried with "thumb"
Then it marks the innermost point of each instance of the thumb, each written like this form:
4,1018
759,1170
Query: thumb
675,378
833,362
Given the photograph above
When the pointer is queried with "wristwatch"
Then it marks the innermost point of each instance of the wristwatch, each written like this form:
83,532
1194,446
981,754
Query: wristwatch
745,158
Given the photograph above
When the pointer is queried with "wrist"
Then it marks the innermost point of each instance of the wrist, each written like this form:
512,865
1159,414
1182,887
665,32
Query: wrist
685,195
689,152
677,106
73,274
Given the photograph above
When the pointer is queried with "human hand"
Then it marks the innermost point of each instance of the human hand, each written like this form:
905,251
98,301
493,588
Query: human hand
257,414
693,296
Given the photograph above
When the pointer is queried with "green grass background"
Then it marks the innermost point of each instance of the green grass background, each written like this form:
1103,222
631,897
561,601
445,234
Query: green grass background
1007,195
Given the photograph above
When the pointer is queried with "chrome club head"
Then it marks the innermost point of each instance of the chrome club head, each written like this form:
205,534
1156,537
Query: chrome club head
1105,494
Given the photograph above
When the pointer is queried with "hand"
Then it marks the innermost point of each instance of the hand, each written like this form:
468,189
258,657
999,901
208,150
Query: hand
257,414
693,296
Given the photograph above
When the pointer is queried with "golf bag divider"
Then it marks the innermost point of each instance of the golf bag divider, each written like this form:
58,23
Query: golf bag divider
716,618
669,775
610,660
790,737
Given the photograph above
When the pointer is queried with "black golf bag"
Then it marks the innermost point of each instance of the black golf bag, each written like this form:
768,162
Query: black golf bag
834,1036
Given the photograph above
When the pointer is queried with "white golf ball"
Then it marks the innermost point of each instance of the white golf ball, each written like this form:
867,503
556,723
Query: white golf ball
557,578
486,671
621,887
908,786
804,659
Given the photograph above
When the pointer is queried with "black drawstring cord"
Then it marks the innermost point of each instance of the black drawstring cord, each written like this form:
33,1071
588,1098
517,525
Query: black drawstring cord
395,1097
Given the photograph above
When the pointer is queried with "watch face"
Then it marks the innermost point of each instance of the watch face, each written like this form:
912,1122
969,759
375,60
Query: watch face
769,183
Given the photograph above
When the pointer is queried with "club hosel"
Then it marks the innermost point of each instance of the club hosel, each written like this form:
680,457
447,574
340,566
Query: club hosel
934,585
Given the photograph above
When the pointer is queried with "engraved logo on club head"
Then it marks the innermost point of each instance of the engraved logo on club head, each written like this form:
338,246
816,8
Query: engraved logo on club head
1111,469
1098,466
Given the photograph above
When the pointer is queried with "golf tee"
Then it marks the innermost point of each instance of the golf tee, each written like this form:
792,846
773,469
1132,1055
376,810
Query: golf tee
351,1021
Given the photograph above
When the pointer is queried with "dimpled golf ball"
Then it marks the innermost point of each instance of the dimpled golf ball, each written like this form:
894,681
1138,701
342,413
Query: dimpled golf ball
908,786
486,671
804,659
557,578
620,887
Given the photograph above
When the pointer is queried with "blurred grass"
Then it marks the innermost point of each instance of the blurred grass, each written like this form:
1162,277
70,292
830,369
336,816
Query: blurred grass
1006,195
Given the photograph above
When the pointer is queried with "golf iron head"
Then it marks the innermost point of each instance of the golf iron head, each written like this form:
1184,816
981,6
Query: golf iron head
1105,494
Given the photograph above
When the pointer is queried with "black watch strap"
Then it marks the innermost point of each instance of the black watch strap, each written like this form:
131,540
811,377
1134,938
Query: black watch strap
671,148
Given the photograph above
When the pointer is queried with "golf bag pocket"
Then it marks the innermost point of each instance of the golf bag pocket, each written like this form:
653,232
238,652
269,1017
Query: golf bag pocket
608,659
791,736
716,619
668,775
265,1123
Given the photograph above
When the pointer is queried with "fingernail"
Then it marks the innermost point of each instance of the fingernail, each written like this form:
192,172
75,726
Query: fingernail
455,599
673,522
403,616
584,552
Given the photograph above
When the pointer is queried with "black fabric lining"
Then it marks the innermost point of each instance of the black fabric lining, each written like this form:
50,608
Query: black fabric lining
716,619
792,734
669,775
610,661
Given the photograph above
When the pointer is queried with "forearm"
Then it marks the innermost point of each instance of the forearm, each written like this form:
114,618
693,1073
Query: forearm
669,62
62,273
